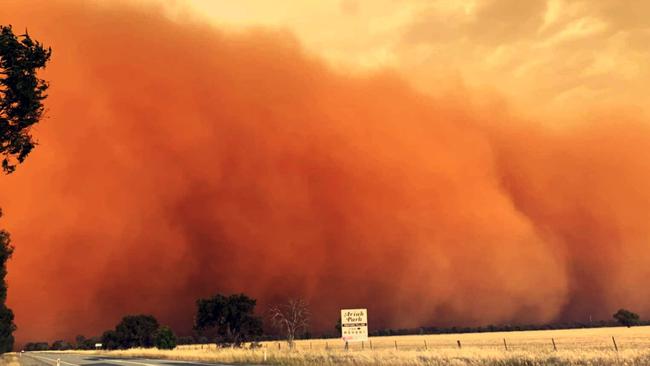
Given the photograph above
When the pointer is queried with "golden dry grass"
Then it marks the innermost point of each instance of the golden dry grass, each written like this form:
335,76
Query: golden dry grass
530,348
9,359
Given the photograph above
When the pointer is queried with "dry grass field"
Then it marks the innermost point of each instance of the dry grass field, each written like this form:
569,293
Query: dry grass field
9,359
574,347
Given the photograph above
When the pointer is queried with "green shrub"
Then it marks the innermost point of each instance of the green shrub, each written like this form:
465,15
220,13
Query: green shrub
164,338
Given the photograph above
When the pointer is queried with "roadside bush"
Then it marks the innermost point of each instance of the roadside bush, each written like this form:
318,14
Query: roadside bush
186,340
110,340
164,338
60,345
37,346
82,342
133,331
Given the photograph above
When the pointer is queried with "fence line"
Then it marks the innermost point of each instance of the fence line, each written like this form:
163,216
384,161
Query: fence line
430,344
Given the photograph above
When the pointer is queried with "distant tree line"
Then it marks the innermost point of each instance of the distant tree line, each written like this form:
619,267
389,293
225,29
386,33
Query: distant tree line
621,317
231,321
496,328
37,346
225,320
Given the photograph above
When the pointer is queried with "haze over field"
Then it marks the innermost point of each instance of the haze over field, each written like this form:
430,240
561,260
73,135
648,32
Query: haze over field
183,156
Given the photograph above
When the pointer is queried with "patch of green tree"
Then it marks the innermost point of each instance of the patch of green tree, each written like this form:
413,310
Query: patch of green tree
229,320
37,346
627,318
84,343
21,106
164,338
131,332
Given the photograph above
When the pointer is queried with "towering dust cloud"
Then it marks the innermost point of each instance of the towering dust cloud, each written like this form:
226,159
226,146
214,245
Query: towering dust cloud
179,161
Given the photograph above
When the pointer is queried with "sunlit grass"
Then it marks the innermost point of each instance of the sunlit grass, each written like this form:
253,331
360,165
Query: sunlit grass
9,359
530,348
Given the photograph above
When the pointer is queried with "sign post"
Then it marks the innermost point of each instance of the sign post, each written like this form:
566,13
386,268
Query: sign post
354,325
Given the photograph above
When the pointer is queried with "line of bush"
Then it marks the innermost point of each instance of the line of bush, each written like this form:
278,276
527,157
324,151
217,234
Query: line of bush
230,321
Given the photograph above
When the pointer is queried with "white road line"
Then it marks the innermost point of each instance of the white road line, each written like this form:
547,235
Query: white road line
128,362
54,360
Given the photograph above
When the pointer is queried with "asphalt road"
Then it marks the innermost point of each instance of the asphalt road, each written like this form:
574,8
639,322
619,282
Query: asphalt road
71,359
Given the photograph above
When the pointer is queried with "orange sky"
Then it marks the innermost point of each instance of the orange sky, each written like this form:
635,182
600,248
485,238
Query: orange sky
551,53
463,166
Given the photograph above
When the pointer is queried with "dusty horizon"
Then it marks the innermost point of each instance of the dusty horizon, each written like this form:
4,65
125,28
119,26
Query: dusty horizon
182,156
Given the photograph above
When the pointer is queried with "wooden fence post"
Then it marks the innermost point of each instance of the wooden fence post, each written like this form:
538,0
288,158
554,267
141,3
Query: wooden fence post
346,345
395,344
370,344
505,344
615,346
425,345
459,346
362,346
554,346
327,346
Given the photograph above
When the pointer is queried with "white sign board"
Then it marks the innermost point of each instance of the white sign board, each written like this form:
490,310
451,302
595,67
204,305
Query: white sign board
354,325
98,345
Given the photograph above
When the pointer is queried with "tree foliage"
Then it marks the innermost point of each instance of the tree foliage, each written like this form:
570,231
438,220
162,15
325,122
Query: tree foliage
21,106
626,317
7,326
21,94
231,317
82,342
110,340
60,345
37,346
164,338
132,331
186,340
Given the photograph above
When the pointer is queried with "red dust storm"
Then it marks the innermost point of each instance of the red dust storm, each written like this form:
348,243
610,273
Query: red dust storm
178,160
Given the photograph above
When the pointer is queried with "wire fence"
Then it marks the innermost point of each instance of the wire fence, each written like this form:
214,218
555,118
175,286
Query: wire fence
486,341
